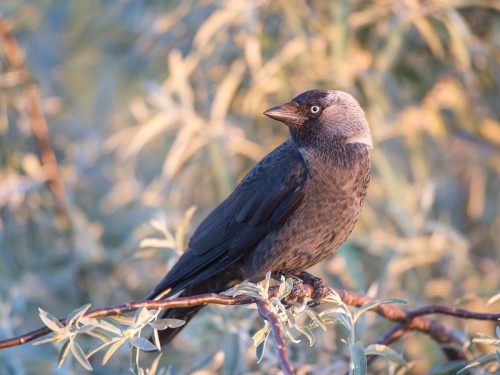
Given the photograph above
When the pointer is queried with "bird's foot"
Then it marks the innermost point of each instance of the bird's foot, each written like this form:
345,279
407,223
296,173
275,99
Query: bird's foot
298,292
321,289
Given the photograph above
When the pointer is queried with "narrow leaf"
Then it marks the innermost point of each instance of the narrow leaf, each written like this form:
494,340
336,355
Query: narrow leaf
259,351
316,318
162,324
125,320
63,353
358,363
306,332
385,351
80,356
51,321
76,314
373,304
112,349
143,344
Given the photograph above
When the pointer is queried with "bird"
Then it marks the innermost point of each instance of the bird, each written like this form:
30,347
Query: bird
292,210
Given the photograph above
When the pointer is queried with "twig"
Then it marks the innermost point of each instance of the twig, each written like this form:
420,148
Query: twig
277,335
408,320
38,123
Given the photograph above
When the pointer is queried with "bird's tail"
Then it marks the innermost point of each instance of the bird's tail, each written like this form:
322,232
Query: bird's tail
215,284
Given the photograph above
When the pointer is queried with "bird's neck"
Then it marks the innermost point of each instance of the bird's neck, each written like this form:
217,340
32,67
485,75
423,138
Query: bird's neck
334,153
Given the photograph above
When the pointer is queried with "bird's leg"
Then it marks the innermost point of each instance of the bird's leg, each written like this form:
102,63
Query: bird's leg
321,289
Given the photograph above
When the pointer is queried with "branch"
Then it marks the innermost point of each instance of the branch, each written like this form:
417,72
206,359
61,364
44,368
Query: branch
277,335
39,125
408,320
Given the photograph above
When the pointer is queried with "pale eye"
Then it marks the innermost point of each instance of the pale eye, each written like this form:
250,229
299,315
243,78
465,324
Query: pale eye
315,109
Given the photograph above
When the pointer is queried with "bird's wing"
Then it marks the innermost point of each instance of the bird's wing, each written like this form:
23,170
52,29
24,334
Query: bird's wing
267,195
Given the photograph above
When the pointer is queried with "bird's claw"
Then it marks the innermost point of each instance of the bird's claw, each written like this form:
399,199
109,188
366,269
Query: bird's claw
321,289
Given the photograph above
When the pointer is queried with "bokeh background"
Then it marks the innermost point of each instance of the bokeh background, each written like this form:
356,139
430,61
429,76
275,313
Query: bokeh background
155,106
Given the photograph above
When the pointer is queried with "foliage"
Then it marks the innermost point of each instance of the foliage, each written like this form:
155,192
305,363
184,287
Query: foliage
153,107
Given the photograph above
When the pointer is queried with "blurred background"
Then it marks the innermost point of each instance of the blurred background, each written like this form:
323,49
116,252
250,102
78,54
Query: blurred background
153,107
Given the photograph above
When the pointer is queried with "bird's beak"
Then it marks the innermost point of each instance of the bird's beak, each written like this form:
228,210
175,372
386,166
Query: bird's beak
288,113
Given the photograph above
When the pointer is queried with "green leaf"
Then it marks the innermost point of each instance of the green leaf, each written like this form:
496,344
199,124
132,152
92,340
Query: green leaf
63,353
76,314
80,356
358,364
143,344
51,321
373,304
386,352
162,324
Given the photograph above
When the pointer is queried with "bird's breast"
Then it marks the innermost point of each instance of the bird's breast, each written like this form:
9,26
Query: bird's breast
331,206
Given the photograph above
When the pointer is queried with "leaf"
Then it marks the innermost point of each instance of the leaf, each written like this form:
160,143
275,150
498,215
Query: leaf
259,351
109,327
162,324
386,352
285,288
100,334
261,334
121,319
493,299
485,339
76,314
112,349
306,332
289,334
63,353
142,316
479,361
51,321
157,243
316,318
358,363
156,339
154,365
80,356
373,304
143,344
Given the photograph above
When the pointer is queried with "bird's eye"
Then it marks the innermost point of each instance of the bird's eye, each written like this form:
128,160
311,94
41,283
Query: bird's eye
315,109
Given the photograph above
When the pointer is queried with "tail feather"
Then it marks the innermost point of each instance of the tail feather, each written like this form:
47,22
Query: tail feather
215,284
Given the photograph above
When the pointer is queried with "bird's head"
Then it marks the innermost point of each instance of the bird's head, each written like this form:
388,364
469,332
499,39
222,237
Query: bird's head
326,114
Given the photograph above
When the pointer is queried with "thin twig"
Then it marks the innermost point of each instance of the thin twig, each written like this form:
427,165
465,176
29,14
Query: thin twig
39,125
273,320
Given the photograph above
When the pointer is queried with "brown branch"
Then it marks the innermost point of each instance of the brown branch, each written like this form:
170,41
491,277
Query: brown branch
47,155
273,320
408,320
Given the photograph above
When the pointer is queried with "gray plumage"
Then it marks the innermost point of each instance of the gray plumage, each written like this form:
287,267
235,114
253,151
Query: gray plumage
292,210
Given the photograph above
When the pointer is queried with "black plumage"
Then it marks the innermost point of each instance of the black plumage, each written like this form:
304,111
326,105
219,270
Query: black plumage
292,210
